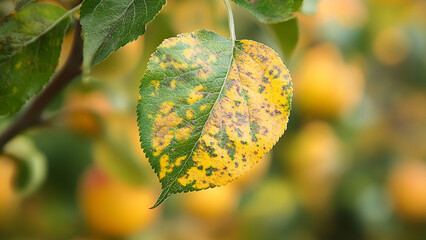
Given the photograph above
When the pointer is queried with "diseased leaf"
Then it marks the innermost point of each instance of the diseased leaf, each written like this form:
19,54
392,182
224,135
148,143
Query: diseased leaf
287,34
110,24
30,44
209,111
22,3
271,11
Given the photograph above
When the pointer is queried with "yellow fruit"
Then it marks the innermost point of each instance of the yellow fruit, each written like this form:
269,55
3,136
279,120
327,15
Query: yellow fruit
325,86
407,188
97,102
8,197
391,46
314,161
112,208
211,204
83,121
189,15
347,13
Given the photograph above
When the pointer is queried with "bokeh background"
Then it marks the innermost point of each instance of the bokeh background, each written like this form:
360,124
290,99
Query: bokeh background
352,164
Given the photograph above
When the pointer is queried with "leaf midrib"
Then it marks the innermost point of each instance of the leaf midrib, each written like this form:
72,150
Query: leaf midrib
54,24
111,29
169,184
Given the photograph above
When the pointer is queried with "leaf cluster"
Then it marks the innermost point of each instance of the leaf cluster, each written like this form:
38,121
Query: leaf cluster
209,108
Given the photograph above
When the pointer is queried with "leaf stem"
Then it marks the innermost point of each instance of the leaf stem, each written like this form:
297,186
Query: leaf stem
231,22
32,114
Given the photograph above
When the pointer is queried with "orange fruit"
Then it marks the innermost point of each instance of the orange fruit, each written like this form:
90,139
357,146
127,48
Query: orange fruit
8,197
407,189
112,208
211,204
325,86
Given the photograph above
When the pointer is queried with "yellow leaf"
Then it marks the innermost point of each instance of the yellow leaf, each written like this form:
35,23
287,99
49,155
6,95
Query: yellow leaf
211,109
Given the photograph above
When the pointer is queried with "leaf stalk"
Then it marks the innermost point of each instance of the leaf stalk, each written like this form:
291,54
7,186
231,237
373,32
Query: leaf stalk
231,22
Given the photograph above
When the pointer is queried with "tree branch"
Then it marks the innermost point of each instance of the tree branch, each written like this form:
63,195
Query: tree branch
32,114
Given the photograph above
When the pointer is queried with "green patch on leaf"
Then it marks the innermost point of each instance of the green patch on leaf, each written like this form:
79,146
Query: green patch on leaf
30,44
202,120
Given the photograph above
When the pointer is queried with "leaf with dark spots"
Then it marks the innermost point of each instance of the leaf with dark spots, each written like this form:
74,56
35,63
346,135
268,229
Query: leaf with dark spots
222,121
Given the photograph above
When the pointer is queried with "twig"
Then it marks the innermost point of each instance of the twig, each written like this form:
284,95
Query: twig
32,114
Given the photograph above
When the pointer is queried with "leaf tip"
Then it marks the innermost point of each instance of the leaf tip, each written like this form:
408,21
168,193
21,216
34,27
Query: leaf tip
163,196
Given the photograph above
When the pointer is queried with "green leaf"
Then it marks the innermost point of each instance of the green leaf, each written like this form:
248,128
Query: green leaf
210,110
287,34
22,3
30,44
110,24
31,165
271,11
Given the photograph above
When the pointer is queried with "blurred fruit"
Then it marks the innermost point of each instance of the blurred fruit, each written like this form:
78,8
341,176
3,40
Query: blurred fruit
407,189
191,15
112,208
347,13
211,204
94,101
8,197
315,161
83,121
391,46
324,85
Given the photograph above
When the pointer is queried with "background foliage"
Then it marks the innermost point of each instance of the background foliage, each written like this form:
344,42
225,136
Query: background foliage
351,165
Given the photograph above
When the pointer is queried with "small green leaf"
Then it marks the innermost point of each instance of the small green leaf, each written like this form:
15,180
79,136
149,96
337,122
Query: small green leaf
210,109
30,44
287,34
31,165
110,24
271,11
22,3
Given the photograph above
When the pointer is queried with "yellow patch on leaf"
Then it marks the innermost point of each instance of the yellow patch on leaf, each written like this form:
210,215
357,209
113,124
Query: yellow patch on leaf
166,107
195,95
183,133
203,107
164,129
189,114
